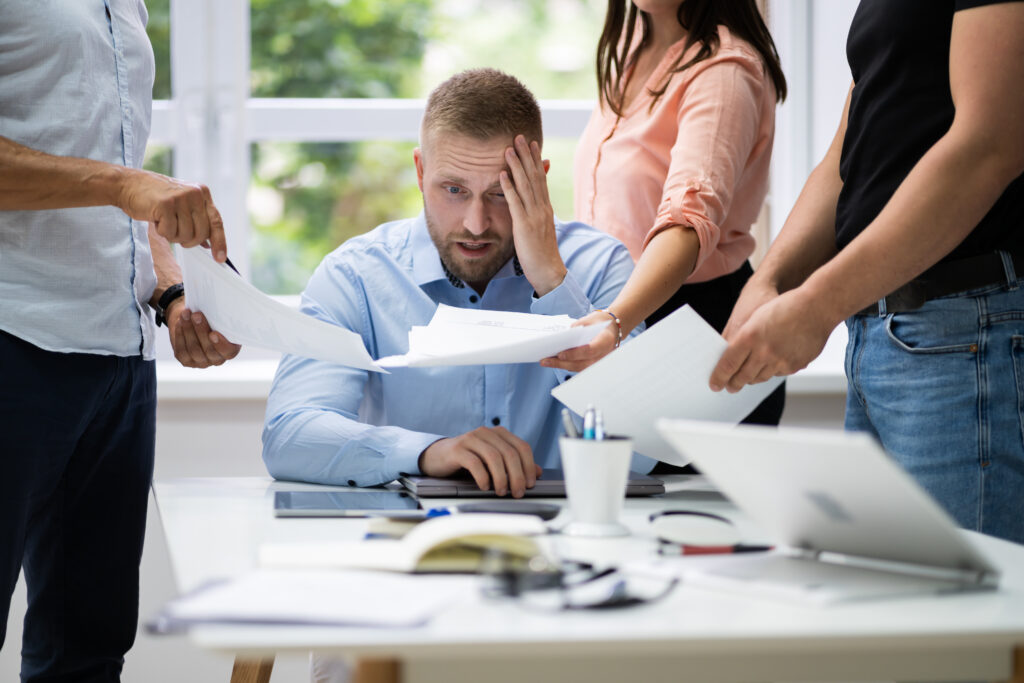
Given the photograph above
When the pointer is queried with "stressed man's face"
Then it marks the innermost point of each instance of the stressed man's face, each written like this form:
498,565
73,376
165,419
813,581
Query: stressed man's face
467,217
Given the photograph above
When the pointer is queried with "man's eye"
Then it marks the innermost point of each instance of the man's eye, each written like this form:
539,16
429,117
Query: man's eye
451,189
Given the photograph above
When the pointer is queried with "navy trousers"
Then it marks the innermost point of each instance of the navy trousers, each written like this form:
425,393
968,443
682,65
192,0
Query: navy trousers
77,436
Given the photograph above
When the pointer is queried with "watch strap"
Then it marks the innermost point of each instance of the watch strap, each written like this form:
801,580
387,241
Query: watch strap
169,295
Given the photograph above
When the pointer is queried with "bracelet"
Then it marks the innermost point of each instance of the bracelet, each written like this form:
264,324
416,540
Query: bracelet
618,324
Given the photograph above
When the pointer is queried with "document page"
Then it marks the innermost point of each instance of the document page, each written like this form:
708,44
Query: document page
663,372
463,336
341,598
247,316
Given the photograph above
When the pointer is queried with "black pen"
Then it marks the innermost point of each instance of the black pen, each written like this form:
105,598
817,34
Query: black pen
231,265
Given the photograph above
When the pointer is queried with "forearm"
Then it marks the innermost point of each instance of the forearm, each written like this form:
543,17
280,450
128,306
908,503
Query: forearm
33,180
666,262
932,211
329,448
166,266
808,237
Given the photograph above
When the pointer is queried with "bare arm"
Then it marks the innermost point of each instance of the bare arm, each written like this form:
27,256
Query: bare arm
938,204
180,212
807,239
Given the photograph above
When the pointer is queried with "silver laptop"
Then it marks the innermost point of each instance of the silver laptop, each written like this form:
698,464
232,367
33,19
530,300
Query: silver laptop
848,522
550,484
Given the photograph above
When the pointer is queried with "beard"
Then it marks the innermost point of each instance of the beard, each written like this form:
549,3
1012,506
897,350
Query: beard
477,270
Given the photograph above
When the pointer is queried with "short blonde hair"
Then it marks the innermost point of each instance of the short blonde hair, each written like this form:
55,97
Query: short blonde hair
482,104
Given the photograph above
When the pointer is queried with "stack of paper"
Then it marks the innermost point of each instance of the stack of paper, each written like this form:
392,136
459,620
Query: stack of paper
337,598
463,336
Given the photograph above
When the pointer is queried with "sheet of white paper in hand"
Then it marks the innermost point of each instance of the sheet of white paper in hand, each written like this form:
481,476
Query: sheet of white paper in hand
663,372
274,596
464,336
247,316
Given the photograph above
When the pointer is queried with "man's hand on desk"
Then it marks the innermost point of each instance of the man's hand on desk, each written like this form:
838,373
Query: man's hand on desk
490,454
194,344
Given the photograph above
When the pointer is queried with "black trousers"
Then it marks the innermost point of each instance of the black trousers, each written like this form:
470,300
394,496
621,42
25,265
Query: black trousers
713,300
77,438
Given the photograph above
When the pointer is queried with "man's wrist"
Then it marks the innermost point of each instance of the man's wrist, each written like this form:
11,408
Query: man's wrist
552,280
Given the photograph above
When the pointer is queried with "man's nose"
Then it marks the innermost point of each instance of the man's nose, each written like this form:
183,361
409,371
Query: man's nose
475,220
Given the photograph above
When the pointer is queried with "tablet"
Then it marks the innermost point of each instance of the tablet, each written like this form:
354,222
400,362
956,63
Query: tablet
345,504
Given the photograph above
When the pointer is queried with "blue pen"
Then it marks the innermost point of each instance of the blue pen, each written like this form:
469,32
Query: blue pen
589,419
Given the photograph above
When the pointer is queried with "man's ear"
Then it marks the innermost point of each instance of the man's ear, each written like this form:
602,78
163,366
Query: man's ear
417,157
547,165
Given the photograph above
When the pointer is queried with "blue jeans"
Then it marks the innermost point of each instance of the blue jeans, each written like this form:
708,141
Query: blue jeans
942,388
76,460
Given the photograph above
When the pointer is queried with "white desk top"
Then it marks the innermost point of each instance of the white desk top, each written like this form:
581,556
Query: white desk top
214,527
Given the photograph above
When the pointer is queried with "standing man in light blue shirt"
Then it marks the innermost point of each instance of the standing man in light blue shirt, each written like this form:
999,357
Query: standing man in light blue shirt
84,254
487,239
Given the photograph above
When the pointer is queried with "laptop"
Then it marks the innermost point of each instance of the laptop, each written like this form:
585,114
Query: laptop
848,522
550,484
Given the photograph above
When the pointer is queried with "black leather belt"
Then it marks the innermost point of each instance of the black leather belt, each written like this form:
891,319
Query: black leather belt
950,277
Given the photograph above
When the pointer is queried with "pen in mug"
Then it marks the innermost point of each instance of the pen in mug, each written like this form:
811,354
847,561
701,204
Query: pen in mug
568,425
598,425
588,422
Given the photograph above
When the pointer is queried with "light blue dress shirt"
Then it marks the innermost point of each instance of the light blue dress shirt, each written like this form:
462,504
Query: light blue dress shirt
76,79
330,424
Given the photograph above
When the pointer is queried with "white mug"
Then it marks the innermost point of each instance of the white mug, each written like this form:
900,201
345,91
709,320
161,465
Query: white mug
596,472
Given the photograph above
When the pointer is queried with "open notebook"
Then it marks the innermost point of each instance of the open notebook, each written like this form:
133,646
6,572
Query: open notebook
848,521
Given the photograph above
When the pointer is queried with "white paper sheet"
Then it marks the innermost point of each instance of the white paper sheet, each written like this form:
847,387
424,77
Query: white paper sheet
462,336
247,316
663,372
357,598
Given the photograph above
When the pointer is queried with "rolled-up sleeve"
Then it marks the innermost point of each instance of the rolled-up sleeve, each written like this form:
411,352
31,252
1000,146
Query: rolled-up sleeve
718,121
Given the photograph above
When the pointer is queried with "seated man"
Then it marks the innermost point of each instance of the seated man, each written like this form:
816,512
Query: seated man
487,239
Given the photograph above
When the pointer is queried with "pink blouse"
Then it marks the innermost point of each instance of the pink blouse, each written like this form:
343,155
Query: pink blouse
700,158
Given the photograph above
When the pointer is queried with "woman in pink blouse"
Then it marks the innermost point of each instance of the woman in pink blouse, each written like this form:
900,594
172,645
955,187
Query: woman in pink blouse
674,161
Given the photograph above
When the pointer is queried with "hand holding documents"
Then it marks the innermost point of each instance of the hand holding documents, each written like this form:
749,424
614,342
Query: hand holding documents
461,336
455,336
663,372
450,543
245,315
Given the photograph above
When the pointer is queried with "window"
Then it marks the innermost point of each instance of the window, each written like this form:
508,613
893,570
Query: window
301,115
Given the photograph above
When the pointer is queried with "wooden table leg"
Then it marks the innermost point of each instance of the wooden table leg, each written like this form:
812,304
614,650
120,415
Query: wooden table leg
1018,665
252,670
377,671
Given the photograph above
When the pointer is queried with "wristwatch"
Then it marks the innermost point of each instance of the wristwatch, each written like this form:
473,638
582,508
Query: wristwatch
169,295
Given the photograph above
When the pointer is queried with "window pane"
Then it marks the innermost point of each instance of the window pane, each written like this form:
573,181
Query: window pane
326,48
307,198
159,30
159,159
548,44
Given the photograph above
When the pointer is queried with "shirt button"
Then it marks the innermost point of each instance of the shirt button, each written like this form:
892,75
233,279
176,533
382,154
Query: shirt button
496,421
473,299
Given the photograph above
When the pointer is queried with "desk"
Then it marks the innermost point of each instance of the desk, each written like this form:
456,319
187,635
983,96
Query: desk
215,526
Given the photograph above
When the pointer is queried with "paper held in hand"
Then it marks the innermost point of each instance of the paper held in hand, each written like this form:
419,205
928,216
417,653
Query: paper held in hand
455,336
247,316
464,336
662,372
